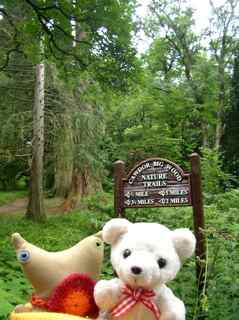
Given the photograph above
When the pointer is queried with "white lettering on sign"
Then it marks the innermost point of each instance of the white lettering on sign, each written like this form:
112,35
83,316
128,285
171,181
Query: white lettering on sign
158,164
173,192
164,201
152,184
173,200
128,194
136,194
174,171
135,202
141,193
167,167
155,176
145,201
144,166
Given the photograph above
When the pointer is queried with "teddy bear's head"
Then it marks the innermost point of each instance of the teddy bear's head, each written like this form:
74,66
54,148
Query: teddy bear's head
147,255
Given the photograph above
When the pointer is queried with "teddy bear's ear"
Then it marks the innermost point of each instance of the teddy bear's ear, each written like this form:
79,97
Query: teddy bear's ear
184,242
115,228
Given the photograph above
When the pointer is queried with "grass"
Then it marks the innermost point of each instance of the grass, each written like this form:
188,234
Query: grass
63,231
10,196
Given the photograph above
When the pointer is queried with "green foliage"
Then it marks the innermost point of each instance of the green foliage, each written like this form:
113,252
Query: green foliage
145,123
231,135
223,265
215,180
10,173
103,104
77,73
228,201
222,229
7,197
101,40
16,89
99,202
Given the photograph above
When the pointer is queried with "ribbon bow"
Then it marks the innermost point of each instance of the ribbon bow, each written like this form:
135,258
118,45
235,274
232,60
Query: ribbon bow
134,296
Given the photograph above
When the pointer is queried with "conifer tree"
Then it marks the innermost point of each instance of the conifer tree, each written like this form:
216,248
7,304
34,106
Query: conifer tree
231,137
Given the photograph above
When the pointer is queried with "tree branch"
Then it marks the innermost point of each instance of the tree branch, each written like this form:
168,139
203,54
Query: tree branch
6,15
8,56
43,18
57,7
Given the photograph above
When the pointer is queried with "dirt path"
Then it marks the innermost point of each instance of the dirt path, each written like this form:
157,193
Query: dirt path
18,205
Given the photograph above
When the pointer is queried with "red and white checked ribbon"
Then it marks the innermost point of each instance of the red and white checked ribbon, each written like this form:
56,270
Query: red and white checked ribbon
134,296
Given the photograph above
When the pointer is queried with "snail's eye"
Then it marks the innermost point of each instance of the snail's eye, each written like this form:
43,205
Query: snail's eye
23,256
126,253
162,263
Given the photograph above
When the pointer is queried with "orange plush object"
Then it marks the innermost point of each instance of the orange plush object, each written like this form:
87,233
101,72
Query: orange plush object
74,295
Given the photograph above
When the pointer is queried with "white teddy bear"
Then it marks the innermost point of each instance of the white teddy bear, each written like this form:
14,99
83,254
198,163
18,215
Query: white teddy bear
145,256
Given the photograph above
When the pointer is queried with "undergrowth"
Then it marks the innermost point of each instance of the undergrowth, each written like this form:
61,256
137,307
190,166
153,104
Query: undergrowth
10,196
63,231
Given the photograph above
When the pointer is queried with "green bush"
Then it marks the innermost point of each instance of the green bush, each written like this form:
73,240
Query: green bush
63,231
228,200
215,180
11,171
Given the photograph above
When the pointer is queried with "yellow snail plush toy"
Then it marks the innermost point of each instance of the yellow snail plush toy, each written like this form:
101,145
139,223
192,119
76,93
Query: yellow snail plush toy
63,282
43,316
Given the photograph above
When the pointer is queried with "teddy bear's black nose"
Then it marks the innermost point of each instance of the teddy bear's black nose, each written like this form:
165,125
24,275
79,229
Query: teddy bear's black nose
136,270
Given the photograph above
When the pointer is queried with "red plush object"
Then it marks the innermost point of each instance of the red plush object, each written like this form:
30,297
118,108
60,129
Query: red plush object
74,295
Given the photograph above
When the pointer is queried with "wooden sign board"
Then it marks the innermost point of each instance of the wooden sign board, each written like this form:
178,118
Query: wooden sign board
156,183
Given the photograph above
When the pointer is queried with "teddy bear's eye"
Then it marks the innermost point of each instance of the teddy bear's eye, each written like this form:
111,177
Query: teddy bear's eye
162,263
126,253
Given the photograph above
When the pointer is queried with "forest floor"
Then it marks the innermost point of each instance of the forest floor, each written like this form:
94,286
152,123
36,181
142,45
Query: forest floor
19,205
61,231
15,206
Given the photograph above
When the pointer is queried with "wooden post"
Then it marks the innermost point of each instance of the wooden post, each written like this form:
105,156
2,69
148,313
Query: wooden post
119,175
198,218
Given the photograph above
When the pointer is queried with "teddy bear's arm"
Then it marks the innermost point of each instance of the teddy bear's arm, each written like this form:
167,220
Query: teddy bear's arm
170,306
107,293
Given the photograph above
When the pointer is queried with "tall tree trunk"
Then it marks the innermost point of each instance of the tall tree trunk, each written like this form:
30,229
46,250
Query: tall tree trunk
64,158
205,142
83,182
35,209
219,132
221,102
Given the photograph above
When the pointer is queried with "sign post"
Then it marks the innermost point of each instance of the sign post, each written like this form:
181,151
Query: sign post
157,182
198,219
119,175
